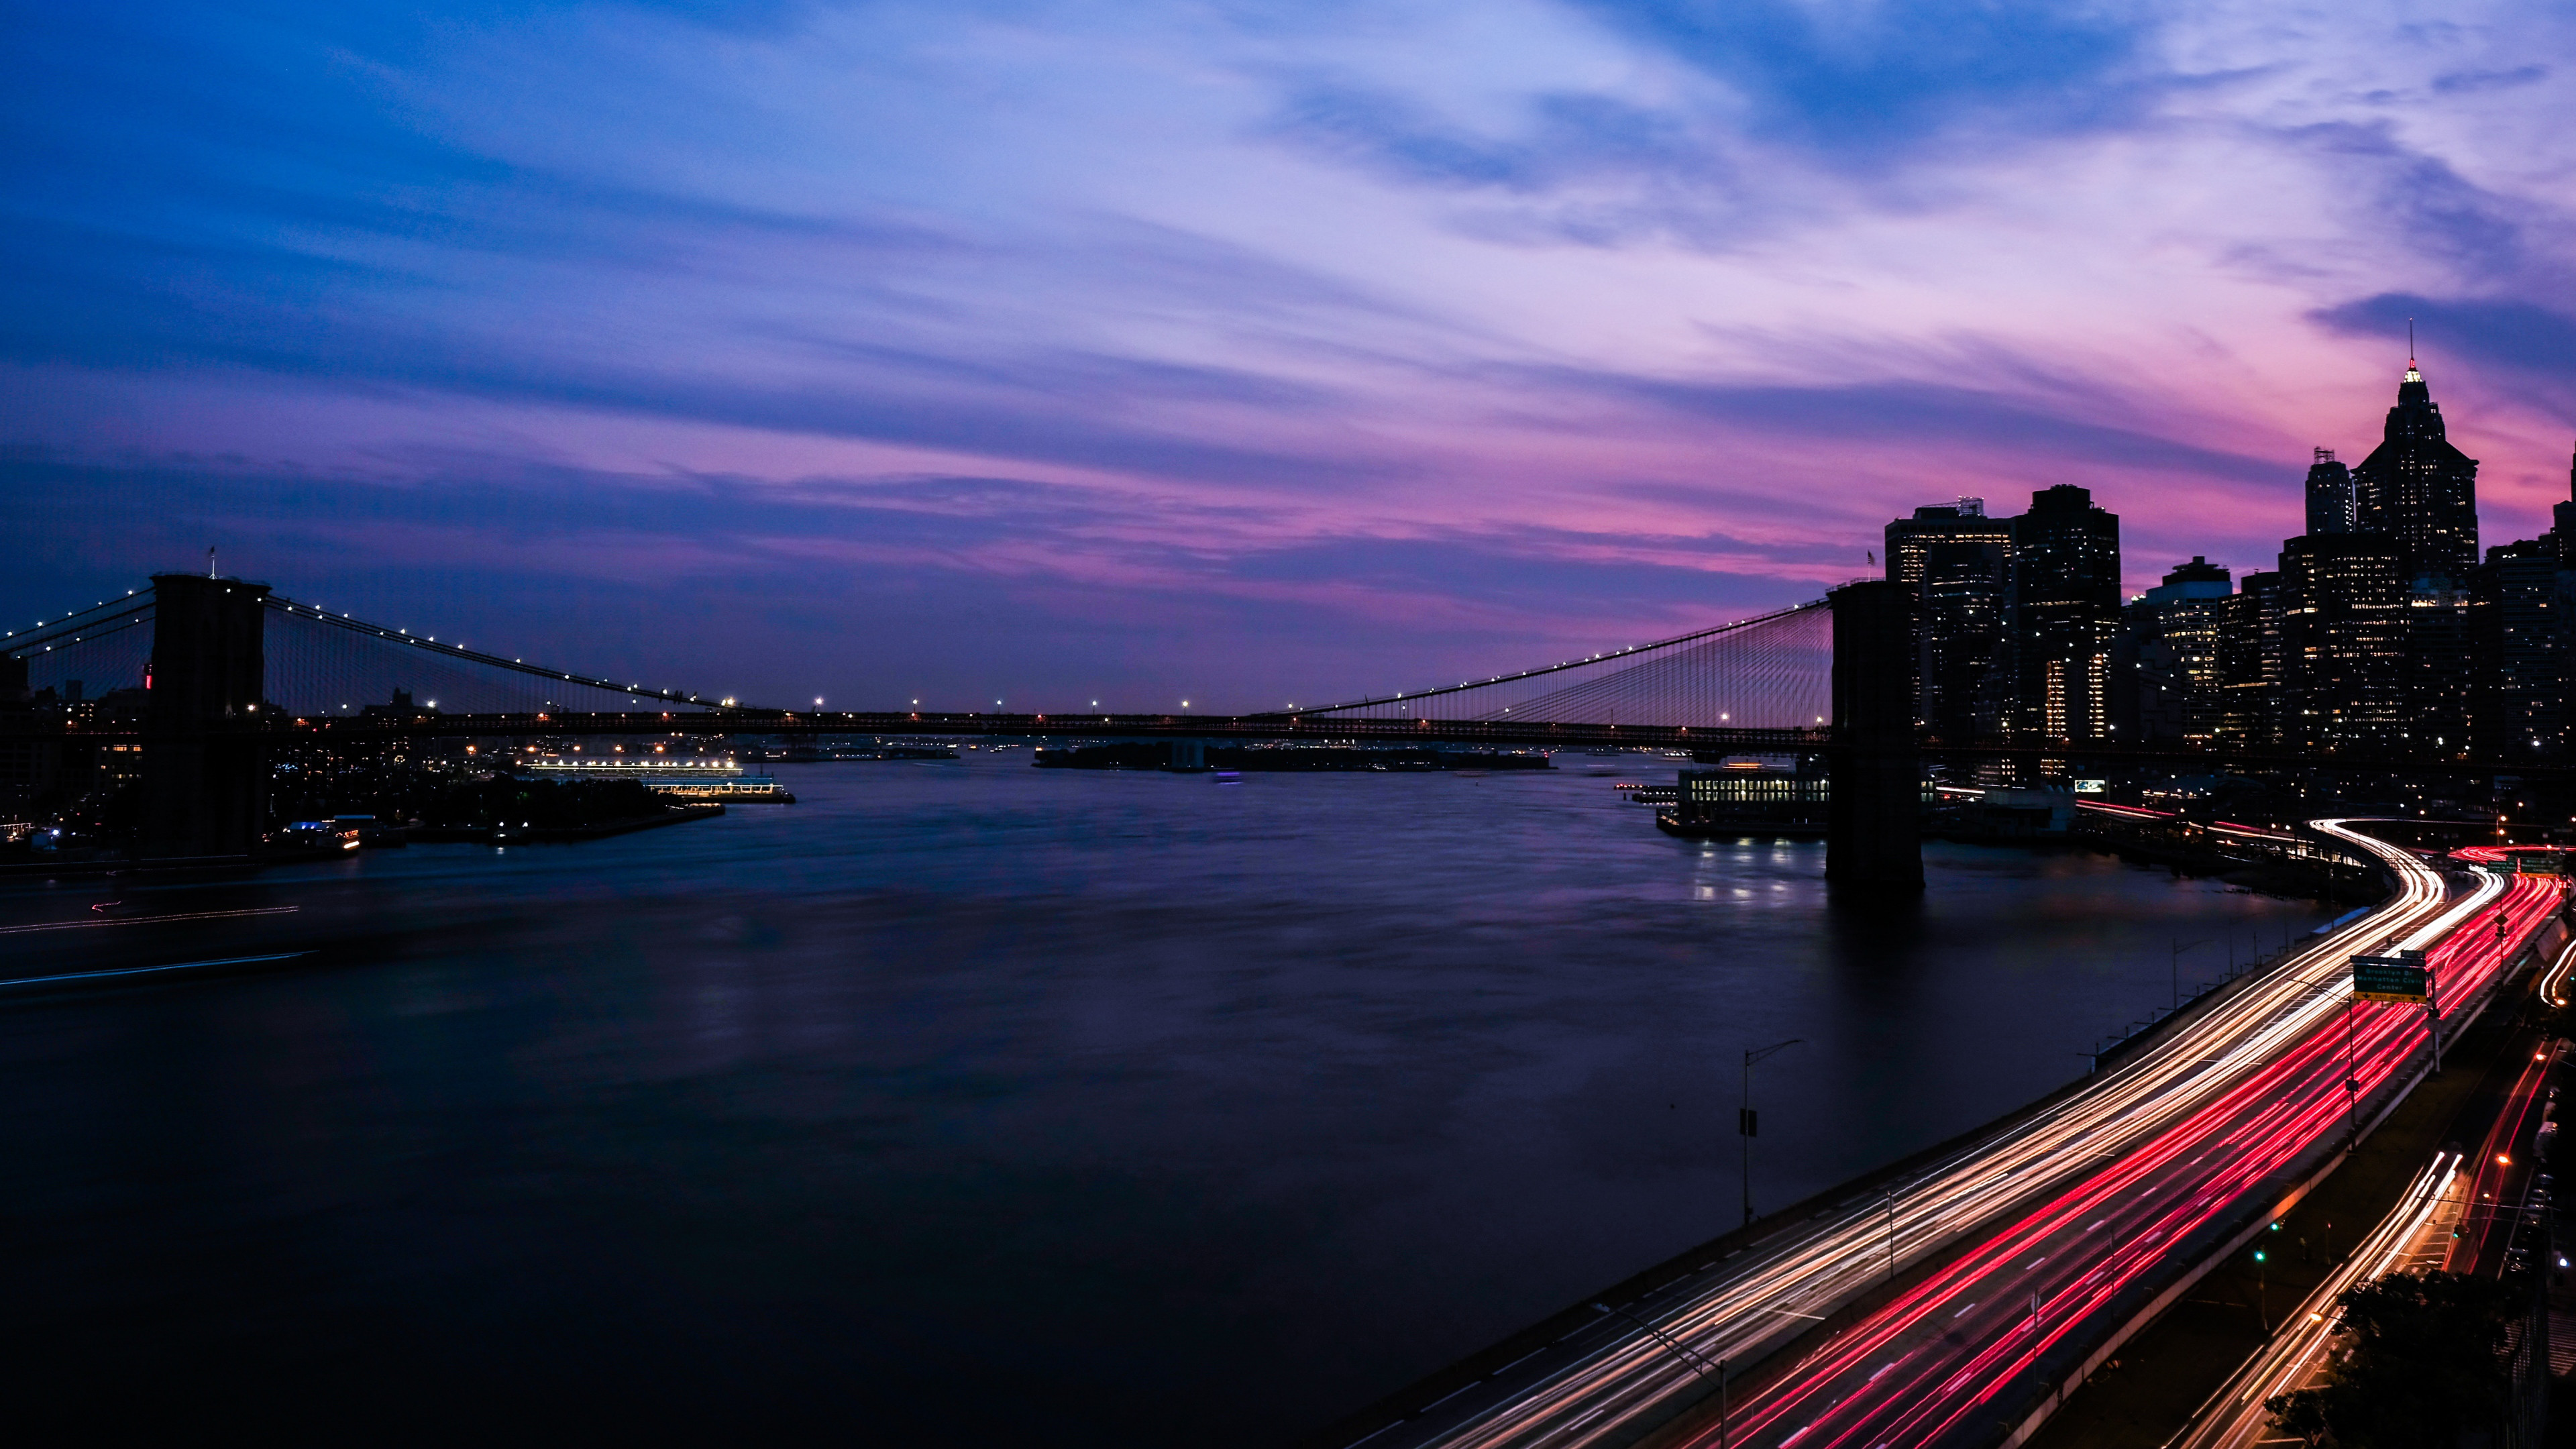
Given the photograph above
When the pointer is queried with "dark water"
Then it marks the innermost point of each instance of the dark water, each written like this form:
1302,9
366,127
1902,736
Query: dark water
983,1103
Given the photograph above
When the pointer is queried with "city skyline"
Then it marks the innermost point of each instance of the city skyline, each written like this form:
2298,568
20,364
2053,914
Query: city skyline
2385,626
517,322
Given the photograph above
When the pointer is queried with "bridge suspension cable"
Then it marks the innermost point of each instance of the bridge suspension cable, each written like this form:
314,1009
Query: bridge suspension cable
455,661
106,617
1772,671
108,646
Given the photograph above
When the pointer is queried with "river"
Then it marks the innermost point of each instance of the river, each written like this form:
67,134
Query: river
976,1103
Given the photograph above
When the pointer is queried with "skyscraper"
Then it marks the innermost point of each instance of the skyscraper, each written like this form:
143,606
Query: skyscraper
2250,668
2439,669
2418,489
2061,607
2565,517
2330,507
2518,638
2165,681
2343,643
2191,611
1956,558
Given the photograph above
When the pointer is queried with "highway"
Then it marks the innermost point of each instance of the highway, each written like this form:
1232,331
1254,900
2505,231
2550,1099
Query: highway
2064,1210
2555,988
2448,1218
2414,1235
1923,1369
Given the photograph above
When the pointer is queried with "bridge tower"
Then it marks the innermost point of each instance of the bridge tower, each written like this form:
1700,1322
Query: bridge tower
205,782
1874,820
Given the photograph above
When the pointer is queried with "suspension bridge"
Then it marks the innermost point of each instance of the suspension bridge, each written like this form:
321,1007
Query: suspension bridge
282,665
217,673
213,676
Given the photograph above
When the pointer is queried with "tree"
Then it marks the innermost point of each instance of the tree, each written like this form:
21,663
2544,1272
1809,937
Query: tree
2419,1360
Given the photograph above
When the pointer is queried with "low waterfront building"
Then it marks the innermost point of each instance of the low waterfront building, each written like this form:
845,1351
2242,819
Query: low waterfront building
702,778
1748,795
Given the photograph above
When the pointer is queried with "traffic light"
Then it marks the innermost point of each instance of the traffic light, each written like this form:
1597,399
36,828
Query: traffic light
2258,1255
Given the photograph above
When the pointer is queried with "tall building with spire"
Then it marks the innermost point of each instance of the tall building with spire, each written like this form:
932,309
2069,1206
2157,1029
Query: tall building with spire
2418,490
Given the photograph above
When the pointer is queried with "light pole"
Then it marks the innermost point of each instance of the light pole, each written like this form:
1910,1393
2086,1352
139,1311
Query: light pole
1747,1124
2351,1074
2173,963
1695,1362
2433,1020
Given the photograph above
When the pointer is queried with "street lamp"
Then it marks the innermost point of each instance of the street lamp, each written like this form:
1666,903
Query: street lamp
1696,1362
1747,1123
2173,963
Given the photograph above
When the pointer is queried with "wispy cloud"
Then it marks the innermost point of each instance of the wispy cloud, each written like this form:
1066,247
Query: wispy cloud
1868,81
1350,330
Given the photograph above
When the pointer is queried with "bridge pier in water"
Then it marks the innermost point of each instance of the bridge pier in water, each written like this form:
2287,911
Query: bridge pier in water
205,782
1874,825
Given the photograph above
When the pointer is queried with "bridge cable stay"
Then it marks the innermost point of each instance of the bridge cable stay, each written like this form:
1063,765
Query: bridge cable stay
99,650
1772,671
79,627
325,664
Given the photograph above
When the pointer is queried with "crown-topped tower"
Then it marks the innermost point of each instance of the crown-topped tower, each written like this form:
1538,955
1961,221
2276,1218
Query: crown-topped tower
2418,489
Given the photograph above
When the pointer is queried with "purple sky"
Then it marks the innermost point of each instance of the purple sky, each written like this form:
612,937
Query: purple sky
1231,351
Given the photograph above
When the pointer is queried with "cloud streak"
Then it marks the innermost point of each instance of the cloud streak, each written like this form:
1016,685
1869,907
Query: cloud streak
1258,337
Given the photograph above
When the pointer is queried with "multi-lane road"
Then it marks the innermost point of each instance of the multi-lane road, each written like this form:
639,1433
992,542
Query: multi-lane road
2050,1230
2415,1235
2459,1214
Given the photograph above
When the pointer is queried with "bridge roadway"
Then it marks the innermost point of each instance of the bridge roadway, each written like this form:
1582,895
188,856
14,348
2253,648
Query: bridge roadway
1306,728
2073,1204
1250,728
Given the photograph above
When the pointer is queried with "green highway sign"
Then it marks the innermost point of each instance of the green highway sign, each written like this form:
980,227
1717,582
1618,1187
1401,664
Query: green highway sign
2392,978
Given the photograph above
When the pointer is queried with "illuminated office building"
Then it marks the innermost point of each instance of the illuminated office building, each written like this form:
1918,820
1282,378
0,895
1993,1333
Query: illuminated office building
1957,560
2061,610
2343,601
2418,489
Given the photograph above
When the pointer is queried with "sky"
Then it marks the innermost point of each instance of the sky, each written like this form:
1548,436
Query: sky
1229,351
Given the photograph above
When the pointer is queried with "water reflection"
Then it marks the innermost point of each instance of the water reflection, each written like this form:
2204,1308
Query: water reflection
983,1102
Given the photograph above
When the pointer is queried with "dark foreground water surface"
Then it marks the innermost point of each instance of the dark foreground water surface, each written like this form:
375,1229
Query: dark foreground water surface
983,1104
